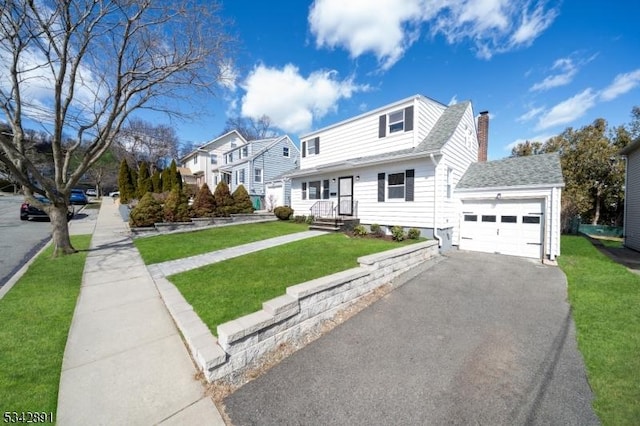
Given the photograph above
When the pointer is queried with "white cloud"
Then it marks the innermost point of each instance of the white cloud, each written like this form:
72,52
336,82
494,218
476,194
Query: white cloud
291,101
568,110
531,114
622,83
228,75
567,70
387,28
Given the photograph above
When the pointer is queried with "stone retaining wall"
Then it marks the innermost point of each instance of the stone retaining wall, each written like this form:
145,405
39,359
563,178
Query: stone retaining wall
201,223
288,317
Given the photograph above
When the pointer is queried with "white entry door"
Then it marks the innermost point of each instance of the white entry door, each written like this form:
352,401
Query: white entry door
513,227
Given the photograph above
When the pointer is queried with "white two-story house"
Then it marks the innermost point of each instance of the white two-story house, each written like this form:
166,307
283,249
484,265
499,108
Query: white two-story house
400,165
205,161
396,165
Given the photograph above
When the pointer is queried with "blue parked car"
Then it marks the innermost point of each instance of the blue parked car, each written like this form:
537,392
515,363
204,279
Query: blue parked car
78,197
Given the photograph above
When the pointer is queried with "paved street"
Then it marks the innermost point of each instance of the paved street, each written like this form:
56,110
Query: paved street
477,339
19,240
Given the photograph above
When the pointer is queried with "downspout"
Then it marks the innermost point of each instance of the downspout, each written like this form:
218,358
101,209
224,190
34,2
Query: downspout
435,200
552,208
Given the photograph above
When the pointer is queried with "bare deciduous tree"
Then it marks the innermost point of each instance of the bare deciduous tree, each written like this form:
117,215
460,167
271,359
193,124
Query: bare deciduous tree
250,128
82,67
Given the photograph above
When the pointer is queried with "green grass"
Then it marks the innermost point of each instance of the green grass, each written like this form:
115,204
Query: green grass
228,290
605,299
35,316
611,243
162,248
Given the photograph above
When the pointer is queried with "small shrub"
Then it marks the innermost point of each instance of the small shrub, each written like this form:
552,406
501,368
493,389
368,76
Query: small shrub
146,213
283,212
309,219
299,219
376,229
176,208
397,233
223,199
241,200
413,234
359,231
204,204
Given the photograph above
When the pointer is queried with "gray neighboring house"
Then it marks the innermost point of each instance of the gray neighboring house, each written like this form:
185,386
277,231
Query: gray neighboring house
632,196
512,206
257,162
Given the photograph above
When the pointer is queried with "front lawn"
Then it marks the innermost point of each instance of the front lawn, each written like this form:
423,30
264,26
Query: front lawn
35,316
605,300
228,290
163,248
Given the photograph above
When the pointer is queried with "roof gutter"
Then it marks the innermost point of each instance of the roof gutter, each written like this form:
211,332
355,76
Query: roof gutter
435,200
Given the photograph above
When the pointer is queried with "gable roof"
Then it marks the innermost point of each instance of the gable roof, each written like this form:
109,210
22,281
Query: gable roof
533,170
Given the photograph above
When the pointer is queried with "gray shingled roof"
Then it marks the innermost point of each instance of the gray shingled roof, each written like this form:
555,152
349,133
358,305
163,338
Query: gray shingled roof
532,170
444,128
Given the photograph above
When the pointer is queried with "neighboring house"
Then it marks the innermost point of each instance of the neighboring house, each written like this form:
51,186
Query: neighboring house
512,206
257,162
278,191
236,161
205,161
401,165
632,196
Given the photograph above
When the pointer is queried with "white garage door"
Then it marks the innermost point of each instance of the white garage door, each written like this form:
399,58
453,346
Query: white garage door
512,227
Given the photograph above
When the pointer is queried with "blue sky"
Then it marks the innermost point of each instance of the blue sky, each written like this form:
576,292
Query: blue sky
537,67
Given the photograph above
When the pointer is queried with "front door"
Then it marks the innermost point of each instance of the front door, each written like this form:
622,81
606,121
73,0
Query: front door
345,196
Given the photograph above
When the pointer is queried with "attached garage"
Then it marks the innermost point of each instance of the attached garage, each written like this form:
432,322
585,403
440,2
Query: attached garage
512,207
512,227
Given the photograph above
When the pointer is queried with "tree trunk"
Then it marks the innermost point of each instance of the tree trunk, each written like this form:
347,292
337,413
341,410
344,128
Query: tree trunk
596,214
60,233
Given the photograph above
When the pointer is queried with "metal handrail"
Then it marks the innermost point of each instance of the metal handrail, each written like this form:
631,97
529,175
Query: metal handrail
322,209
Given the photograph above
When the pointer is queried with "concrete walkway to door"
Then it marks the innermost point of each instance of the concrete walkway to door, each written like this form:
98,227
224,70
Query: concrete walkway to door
476,339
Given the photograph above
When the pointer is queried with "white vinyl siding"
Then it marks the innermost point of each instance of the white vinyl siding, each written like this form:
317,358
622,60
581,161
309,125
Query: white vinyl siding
362,134
632,202
417,213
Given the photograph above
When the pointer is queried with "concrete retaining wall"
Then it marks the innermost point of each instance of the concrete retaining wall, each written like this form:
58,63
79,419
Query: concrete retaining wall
288,317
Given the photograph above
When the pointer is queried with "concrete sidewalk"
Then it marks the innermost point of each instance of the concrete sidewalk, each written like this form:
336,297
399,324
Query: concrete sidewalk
125,361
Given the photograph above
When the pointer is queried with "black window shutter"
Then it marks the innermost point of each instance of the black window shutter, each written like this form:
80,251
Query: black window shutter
382,128
325,189
304,190
304,148
381,178
409,175
317,143
408,118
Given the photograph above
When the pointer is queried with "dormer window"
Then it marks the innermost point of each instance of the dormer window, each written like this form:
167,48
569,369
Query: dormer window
395,122
311,147
245,151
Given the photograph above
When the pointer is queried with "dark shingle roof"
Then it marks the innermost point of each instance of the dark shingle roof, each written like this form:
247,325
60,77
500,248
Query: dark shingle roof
541,169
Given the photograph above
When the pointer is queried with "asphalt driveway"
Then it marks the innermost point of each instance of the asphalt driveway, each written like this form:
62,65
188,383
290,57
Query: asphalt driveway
477,339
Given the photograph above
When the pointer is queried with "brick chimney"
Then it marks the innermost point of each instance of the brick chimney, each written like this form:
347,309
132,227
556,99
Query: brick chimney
483,136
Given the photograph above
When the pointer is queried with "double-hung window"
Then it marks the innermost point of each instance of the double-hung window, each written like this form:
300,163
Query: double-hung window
257,175
285,151
396,185
396,121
